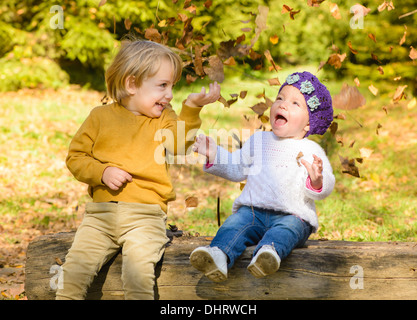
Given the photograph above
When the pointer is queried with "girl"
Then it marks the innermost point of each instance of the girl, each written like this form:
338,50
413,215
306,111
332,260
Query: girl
285,173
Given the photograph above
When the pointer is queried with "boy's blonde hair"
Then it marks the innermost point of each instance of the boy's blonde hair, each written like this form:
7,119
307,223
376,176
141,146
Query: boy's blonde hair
141,59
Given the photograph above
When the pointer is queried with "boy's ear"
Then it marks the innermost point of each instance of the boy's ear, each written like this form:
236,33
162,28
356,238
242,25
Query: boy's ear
130,84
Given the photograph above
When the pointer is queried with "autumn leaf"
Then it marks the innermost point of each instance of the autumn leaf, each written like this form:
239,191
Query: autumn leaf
334,10
128,24
274,39
153,34
274,82
291,11
314,3
351,49
348,98
349,166
191,202
386,5
259,108
373,89
336,60
372,37
299,156
215,70
271,60
413,53
399,93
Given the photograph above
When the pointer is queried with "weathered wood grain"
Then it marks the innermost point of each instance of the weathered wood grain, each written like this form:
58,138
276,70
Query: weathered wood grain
321,270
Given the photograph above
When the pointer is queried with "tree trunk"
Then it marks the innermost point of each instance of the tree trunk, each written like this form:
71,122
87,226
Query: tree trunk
321,270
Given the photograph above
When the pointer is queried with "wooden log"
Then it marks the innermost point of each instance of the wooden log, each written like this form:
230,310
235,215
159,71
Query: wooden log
321,270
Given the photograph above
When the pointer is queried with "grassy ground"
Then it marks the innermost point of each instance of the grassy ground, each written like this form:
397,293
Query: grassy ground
38,195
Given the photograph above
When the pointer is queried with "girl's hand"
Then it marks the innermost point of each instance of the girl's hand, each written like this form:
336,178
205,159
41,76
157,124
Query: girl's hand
203,98
206,146
115,178
315,172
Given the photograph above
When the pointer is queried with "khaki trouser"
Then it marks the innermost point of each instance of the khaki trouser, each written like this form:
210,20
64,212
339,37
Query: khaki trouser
138,228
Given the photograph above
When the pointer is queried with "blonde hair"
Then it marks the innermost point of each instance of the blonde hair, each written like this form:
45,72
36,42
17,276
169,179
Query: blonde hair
141,59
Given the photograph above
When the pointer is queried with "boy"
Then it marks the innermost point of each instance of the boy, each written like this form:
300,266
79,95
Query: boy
114,152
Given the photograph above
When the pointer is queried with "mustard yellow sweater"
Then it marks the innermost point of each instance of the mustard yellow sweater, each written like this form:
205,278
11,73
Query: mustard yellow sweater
113,136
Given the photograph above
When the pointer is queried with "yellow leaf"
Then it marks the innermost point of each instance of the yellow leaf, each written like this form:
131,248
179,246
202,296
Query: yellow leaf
373,89
412,104
274,39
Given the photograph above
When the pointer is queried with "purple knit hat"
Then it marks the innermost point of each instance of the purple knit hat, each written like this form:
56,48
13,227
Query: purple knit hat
318,99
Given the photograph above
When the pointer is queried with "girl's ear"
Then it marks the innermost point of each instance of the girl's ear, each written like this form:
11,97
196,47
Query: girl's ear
130,84
307,128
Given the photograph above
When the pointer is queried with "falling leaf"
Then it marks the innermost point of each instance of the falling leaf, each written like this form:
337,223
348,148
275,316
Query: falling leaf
128,24
153,34
58,261
243,94
373,89
274,82
359,10
314,3
365,152
299,156
334,10
348,98
413,53
336,60
357,82
412,104
102,3
351,49
381,70
404,36
399,93
286,9
224,101
259,108
260,23
208,4
379,126
271,60
191,202
215,69
274,39
385,5
349,166
372,37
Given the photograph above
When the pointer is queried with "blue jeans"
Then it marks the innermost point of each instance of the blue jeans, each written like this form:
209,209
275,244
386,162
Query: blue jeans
249,227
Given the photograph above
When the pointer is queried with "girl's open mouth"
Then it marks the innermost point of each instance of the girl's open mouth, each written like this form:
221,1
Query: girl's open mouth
280,120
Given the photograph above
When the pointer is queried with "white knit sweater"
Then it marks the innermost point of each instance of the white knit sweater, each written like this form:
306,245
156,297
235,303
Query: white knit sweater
275,178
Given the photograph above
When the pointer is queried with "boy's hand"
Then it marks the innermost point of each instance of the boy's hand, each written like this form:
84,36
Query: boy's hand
206,146
203,98
315,172
115,178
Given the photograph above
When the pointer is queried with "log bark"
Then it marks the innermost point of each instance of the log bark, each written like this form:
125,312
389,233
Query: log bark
321,270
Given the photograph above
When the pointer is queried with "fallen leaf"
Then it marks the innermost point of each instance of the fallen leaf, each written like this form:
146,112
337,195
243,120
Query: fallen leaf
314,3
274,82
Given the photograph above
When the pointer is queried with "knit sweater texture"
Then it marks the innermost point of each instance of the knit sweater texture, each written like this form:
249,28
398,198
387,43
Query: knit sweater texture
276,179
113,136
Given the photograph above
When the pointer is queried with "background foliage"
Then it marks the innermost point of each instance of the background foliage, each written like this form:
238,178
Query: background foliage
35,55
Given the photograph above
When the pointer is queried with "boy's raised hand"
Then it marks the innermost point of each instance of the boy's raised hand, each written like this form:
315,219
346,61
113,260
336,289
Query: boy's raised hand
115,178
206,146
202,98
315,171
